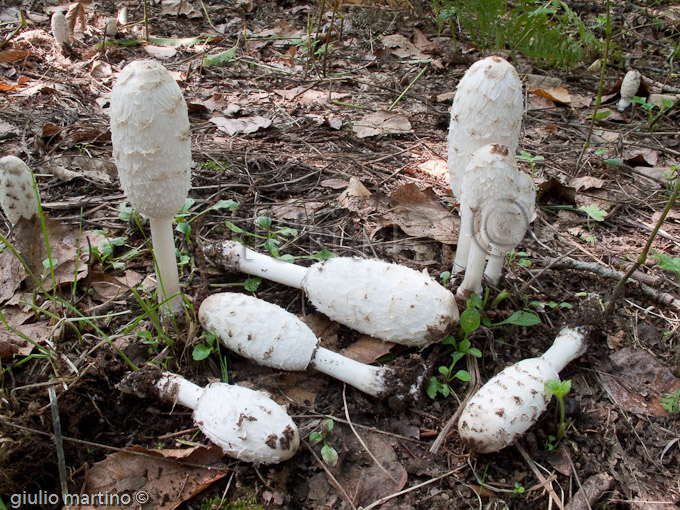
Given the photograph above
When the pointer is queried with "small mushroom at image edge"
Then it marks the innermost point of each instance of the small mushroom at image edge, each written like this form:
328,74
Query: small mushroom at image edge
274,337
152,150
247,424
512,401
386,301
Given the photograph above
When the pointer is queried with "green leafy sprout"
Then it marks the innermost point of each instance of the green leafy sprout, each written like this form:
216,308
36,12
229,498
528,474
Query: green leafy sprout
559,389
328,453
210,345
671,402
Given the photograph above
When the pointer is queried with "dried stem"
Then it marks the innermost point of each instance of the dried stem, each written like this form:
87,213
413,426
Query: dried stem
642,258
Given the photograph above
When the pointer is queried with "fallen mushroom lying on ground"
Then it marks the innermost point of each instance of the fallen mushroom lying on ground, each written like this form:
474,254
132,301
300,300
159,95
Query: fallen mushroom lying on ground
512,401
629,87
498,204
487,108
245,423
386,301
274,337
152,150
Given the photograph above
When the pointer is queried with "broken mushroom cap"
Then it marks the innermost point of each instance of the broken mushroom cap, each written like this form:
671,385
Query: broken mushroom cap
629,87
247,424
487,108
274,337
387,301
512,401
151,139
17,195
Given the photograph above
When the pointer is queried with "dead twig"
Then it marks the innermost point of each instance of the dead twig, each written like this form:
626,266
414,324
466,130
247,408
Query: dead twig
660,297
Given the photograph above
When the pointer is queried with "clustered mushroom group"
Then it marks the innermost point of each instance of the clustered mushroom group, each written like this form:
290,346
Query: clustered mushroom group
152,151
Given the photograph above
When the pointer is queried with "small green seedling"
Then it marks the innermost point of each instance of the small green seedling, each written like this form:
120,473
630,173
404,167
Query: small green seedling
593,212
445,277
469,322
559,389
667,263
519,258
526,156
653,117
211,345
518,489
328,453
671,402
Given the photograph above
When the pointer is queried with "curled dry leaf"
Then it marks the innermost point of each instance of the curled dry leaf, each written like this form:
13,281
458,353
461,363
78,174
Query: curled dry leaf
244,125
557,94
382,122
138,470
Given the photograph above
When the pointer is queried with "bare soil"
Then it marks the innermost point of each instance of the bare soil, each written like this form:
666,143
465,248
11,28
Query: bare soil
620,444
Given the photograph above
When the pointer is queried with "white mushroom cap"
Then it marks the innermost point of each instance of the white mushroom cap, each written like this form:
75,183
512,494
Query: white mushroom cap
512,401
246,424
384,300
60,30
151,139
629,87
259,330
487,108
17,194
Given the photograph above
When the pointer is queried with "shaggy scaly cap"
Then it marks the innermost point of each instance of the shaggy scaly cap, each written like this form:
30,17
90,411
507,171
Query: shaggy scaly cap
16,190
151,139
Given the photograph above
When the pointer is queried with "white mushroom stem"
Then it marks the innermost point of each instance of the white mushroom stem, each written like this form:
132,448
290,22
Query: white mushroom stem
163,242
512,401
467,221
386,301
245,423
363,377
274,337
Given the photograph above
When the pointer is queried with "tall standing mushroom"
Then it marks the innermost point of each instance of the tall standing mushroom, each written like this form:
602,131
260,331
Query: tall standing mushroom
497,204
152,150
487,109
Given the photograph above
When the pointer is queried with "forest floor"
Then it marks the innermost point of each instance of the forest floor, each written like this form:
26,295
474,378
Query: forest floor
343,150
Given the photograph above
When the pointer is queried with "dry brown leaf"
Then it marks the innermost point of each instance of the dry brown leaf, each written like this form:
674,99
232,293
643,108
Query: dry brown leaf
401,47
69,167
380,123
281,30
309,96
418,213
363,479
540,103
355,189
296,209
557,94
12,274
177,7
543,81
166,478
367,349
12,55
109,287
76,18
635,157
421,42
639,382
587,182
11,339
243,125
435,167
